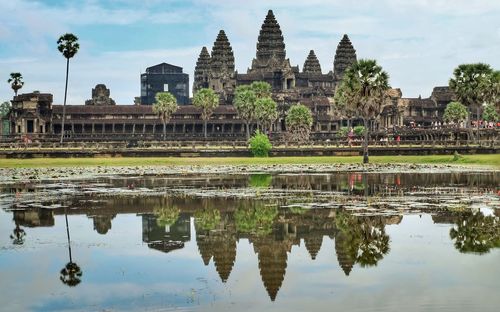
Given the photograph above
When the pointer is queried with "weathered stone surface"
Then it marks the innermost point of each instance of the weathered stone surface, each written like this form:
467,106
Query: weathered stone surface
100,96
345,56
202,70
311,65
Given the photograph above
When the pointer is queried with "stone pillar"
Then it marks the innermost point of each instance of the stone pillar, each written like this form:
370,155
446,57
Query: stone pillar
113,128
103,127
123,127
133,128
93,128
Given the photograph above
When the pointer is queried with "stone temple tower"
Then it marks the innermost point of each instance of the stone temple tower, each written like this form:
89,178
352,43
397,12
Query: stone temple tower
271,52
311,65
222,78
345,56
202,70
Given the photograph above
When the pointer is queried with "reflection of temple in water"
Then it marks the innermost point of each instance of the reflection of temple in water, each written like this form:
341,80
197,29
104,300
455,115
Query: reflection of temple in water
272,237
166,237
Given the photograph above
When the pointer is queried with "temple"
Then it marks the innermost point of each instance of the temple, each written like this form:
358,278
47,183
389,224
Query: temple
100,117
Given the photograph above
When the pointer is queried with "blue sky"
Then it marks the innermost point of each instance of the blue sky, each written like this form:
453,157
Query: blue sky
417,42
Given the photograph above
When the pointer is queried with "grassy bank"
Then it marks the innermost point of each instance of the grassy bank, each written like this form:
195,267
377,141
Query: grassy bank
483,160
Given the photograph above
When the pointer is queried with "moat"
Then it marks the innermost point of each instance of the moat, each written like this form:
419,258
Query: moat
250,241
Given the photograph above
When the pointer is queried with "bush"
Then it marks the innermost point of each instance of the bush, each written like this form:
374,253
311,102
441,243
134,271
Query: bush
260,144
359,130
342,133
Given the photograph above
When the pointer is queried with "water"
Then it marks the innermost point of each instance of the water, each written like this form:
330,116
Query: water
315,242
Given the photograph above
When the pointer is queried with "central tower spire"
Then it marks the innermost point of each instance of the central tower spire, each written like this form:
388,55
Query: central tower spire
270,42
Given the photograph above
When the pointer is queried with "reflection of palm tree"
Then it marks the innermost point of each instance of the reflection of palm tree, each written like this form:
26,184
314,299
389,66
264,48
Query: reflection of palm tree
476,233
360,240
207,218
18,235
257,219
71,274
166,216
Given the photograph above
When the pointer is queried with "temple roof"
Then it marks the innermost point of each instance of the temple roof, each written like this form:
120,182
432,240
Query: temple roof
203,62
270,41
345,56
222,54
311,65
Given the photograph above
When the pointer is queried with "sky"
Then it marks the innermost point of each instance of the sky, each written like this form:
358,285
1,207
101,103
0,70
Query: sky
418,42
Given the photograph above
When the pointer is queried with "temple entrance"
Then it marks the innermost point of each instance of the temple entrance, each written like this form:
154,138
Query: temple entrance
289,84
30,128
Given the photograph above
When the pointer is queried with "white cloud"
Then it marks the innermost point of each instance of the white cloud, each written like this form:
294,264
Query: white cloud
417,42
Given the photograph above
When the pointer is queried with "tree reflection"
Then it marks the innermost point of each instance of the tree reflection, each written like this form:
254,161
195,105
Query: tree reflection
18,235
71,274
166,216
256,218
360,240
207,218
476,233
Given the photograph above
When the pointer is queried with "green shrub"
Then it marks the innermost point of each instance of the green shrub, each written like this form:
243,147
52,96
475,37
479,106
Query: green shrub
359,130
342,133
260,144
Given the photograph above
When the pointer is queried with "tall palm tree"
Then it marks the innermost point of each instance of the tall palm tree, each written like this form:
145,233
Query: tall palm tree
362,93
164,107
71,273
16,82
68,45
472,84
207,101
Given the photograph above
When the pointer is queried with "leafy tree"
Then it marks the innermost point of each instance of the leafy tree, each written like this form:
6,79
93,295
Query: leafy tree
474,86
207,101
164,106
490,113
260,144
298,122
68,45
244,102
362,93
359,130
16,82
266,112
455,112
5,108
261,89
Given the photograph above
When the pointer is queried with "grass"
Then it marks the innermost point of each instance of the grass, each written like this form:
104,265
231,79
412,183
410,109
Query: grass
492,160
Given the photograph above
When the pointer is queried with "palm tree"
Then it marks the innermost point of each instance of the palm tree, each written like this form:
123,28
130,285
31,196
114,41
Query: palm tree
71,273
244,102
472,84
363,92
68,45
207,101
164,107
16,82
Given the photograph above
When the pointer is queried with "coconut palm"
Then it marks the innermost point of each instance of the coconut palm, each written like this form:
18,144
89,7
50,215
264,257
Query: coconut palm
71,273
16,82
207,101
68,45
164,107
363,92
